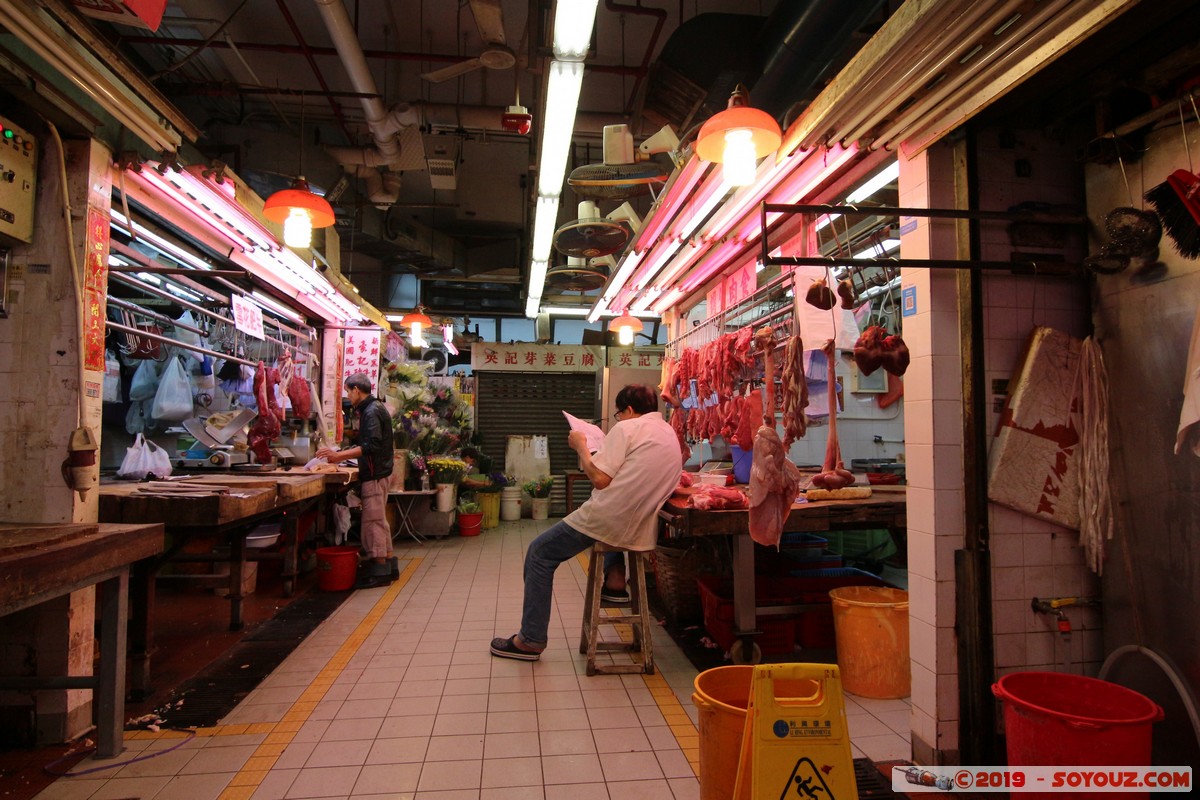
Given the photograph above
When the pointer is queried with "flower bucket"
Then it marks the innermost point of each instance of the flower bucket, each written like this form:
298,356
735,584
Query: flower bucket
444,499
399,471
541,508
489,502
470,524
510,503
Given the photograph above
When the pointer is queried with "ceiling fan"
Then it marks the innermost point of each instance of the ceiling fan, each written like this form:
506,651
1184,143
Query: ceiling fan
489,19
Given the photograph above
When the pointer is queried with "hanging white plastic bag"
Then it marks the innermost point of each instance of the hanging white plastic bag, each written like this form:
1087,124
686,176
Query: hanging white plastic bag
173,400
137,419
189,337
112,378
341,522
145,380
144,458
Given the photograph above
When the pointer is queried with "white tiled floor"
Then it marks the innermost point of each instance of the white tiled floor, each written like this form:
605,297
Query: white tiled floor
396,695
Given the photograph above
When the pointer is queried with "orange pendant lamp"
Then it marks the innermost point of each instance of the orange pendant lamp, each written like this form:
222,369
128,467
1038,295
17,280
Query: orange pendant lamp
299,209
417,321
737,137
626,326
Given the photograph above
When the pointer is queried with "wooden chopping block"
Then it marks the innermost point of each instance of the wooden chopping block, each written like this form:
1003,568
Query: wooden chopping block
15,538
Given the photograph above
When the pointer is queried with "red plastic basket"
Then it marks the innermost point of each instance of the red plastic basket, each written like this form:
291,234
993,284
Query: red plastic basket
778,633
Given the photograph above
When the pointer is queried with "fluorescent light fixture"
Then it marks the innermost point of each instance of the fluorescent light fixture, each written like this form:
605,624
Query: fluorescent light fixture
678,190
886,246
545,218
87,74
179,291
667,300
274,307
882,178
150,278
562,100
157,242
531,306
448,339
573,23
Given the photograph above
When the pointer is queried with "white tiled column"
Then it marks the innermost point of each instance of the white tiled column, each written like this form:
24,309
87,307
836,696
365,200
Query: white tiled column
933,450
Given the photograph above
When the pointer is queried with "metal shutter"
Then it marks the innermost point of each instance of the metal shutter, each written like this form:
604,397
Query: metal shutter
531,403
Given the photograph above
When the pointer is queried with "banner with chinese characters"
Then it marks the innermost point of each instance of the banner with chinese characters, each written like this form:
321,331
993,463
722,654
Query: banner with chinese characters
247,317
362,355
635,357
95,289
740,285
537,357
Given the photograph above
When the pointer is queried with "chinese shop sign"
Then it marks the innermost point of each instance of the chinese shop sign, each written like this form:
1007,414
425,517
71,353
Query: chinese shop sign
537,357
362,355
95,289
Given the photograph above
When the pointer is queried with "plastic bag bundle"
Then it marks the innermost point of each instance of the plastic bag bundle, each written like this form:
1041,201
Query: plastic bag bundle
144,458
173,399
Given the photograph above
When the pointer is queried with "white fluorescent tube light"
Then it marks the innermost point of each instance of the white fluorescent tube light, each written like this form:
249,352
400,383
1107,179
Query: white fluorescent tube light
882,178
573,23
274,307
149,278
89,76
545,218
562,100
886,246
531,306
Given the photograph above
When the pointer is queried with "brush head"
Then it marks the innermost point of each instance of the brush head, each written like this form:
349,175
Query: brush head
1177,201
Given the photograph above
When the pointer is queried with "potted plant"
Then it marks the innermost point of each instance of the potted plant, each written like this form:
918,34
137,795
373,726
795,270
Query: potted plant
446,473
489,497
539,489
470,518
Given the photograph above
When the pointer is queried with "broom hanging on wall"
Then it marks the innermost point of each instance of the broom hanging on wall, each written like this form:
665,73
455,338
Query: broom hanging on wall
1177,199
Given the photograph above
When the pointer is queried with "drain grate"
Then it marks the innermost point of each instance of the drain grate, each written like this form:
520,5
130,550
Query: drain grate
206,698
871,782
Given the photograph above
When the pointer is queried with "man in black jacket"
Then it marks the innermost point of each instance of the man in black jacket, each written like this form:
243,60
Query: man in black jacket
374,453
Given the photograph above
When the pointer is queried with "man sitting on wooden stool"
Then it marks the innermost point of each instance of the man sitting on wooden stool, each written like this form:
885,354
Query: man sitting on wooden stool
632,474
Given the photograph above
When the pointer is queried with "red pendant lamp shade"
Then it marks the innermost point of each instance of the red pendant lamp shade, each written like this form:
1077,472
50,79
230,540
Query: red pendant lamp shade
299,210
626,326
737,137
417,317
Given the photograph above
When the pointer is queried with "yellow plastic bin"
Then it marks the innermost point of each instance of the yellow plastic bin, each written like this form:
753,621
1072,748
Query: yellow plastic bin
722,695
871,626
489,504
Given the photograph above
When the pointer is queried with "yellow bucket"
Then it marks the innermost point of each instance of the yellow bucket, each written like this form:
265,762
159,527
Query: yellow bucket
871,625
721,695
489,504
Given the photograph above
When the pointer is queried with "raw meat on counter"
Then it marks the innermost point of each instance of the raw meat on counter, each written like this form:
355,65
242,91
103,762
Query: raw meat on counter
267,426
708,497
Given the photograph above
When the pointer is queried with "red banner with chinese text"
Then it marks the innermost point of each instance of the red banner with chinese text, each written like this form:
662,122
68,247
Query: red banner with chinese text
95,289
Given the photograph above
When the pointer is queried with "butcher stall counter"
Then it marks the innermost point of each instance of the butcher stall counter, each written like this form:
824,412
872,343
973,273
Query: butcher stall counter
42,562
231,508
885,508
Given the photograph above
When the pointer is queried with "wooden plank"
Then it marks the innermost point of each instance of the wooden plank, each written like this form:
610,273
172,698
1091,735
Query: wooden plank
803,517
33,573
17,538
182,512
289,487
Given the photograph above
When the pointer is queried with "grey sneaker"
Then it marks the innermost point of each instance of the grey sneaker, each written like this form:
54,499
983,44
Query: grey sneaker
618,597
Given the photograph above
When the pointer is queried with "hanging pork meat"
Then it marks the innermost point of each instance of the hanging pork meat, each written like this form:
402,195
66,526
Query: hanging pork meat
820,295
266,425
795,392
875,349
834,474
774,481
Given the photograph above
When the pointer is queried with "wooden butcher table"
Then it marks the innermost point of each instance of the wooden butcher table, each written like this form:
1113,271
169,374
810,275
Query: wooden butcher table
42,562
884,509
251,499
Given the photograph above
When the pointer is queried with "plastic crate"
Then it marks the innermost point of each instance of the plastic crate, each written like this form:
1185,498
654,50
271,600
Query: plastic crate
778,635
814,629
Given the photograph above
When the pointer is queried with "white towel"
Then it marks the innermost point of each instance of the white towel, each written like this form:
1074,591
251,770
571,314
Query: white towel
1190,414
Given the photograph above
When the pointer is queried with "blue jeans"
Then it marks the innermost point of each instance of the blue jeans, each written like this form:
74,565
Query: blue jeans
556,544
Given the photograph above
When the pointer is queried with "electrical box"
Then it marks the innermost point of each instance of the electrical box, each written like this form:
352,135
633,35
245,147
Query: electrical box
18,179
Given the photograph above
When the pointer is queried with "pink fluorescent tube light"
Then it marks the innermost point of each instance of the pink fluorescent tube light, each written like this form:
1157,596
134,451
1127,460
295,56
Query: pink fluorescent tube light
149,179
680,187
798,188
224,195
717,260
751,196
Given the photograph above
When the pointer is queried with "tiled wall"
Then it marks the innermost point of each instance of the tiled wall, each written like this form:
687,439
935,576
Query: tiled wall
933,448
1030,557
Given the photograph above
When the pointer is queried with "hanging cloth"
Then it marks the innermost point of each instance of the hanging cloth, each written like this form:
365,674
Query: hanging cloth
1190,414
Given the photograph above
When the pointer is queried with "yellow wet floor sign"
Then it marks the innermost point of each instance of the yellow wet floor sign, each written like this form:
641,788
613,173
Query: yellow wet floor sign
795,745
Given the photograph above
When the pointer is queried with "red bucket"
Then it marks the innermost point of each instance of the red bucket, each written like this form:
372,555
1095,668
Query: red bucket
336,568
1056,719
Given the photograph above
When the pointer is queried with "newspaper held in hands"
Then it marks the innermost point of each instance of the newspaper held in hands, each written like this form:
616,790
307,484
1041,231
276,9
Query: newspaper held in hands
594,434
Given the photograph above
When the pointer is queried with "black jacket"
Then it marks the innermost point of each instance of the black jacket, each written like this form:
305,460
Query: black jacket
375,439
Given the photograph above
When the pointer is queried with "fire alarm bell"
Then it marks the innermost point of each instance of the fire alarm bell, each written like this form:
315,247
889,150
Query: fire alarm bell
516,119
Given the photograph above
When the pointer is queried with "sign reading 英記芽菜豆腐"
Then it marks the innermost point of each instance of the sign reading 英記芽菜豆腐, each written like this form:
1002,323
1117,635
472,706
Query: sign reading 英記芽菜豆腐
525,357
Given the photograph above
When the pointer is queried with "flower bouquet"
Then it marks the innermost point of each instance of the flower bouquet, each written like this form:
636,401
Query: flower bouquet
539,487
443,469
496,482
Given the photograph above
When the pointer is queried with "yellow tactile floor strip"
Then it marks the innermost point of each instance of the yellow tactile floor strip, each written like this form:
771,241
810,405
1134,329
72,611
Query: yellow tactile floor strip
280,734
672,710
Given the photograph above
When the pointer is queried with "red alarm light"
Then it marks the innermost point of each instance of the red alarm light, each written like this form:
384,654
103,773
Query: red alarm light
517,119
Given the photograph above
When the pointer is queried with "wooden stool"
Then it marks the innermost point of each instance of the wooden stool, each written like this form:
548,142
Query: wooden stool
639,617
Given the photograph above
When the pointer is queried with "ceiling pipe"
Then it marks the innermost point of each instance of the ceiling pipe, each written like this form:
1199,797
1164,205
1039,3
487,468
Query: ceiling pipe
312,63
640,75
384,125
